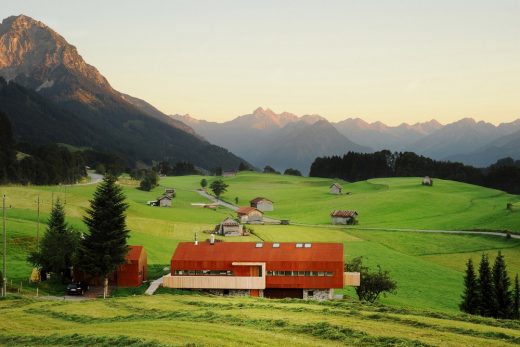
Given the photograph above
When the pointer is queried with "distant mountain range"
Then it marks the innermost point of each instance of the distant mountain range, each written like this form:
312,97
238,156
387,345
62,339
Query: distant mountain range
53,95
280,140
253,136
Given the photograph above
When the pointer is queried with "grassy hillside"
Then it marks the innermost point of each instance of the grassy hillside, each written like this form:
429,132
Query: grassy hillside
427,267
385,202
188,320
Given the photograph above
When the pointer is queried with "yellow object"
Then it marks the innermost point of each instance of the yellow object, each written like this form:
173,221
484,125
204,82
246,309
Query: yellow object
35,275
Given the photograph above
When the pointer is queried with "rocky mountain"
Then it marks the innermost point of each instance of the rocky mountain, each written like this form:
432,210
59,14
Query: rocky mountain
505,146
36,57
281,140
465,137
381,136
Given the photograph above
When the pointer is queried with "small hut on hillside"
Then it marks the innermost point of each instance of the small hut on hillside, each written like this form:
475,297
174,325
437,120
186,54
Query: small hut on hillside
427,181
342,217
250,215
229,227
263,204
335,188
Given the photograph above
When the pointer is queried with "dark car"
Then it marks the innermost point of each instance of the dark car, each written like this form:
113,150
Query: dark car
78,288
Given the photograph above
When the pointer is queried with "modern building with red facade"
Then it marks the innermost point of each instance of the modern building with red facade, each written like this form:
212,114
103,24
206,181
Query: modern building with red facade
267,269
133,272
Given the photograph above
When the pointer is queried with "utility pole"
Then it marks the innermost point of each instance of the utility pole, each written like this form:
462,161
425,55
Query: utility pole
4,282
38,226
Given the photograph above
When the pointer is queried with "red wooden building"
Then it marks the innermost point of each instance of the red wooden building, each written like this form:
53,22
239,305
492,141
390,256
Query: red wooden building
134,271
268,269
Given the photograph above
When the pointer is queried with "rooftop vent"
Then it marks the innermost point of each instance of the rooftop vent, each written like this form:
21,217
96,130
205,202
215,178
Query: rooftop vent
212,240
276,245
259,245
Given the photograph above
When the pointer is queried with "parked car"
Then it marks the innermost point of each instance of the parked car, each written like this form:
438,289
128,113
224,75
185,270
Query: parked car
78,288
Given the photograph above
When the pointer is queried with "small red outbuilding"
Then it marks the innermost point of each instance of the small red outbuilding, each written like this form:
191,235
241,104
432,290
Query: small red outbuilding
134,271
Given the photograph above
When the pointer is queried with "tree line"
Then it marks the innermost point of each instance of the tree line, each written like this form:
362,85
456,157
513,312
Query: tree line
503,175
489,294
99,251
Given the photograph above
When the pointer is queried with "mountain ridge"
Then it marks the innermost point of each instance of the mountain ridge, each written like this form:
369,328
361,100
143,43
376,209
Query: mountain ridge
35,57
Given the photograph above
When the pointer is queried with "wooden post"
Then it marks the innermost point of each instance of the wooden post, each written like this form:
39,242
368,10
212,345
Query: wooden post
4,289
38,225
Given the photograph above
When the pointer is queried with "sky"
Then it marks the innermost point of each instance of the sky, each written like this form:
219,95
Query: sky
391,61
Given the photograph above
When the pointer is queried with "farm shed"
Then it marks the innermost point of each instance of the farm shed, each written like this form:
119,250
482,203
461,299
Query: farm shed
229,173
266,269
164,201
134,271
427,181
335,188
171,192
343,217
263,204
249,215
229,227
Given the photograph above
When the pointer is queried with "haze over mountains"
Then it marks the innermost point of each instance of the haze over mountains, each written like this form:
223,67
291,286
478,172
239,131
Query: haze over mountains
253,135
54,95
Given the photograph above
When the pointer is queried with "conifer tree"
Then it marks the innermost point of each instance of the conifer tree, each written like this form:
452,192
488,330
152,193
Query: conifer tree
104,247
58,246
501,284
487,294
471,297
516,300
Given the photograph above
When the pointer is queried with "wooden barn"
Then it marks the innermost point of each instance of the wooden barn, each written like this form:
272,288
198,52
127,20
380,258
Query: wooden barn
134,272
335,188
427,181
263,204
250,215
229,227
264,269
164,201
343,217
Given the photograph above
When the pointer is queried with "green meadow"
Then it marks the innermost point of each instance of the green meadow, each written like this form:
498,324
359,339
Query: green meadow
428,267
196,320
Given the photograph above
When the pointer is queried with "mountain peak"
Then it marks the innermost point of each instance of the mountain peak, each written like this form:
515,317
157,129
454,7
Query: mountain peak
37,57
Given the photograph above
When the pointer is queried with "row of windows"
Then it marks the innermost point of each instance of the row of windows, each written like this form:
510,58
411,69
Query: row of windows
269,273
203,273
300,273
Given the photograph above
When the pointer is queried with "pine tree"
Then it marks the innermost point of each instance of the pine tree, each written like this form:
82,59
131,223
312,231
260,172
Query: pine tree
104,247
501,284
516,300
58,246
470,298
487,294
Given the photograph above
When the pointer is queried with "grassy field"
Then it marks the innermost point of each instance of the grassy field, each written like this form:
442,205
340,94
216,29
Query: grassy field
427,267
385,202
191,320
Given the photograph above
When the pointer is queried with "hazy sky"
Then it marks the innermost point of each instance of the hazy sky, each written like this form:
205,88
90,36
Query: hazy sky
392,61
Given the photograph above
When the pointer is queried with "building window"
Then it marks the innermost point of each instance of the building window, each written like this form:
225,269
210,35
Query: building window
300,273
276,245
310,293
259,245
299,245
308,245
